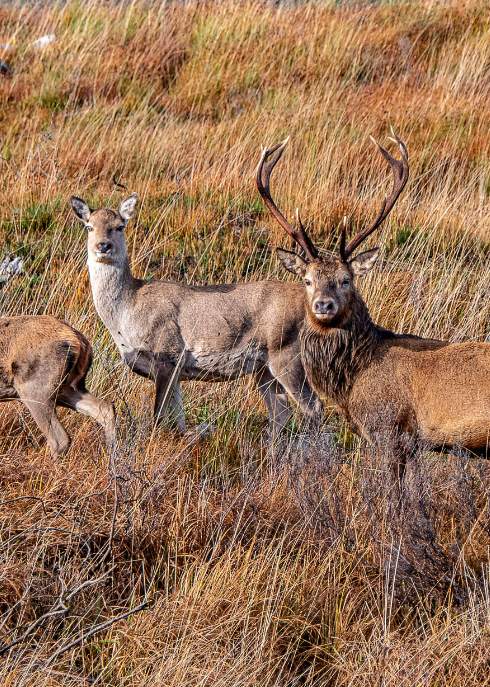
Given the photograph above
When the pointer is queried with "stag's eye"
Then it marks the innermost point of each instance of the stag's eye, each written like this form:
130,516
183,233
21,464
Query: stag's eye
345,283
120,228
308,282
88,227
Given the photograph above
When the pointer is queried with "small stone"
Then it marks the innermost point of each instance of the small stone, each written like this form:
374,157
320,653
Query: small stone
43,41
5,68
10,268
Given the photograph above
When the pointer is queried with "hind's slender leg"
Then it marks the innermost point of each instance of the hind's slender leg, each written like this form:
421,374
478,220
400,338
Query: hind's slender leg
288,370
44,415
84,402
276,400
168,397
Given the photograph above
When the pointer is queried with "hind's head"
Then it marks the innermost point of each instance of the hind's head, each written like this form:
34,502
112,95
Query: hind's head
106,242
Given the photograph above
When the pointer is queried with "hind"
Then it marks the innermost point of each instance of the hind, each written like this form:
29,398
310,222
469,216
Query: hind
44,363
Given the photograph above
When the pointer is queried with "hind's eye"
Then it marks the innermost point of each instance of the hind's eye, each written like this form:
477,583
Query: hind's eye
88,227
120,228
346,283
308,282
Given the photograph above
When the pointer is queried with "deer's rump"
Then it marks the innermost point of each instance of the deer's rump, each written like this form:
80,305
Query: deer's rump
40,347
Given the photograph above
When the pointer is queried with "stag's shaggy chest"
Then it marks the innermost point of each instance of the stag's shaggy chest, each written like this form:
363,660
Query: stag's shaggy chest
334,359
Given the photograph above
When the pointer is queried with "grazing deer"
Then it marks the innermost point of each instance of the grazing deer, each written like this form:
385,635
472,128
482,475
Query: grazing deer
43,364
168,332
429,392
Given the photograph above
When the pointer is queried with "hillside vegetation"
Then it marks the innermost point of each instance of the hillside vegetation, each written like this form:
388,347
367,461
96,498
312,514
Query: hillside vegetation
289,568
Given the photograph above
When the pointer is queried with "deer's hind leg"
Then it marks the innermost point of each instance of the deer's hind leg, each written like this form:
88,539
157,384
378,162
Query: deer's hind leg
44,415
288,370
36,381
169,408
82,401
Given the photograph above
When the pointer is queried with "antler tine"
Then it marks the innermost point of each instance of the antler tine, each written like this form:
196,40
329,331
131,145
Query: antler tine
343,239
268,160
304,240
400,171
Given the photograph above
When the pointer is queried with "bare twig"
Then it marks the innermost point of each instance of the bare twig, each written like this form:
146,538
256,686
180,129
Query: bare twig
61,608
94,630
117,183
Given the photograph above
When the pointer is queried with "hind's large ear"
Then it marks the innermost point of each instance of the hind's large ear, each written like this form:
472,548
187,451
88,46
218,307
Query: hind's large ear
80,208
292,262
363,262
128,206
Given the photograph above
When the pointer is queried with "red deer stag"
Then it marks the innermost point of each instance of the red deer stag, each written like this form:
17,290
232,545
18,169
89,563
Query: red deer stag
430,393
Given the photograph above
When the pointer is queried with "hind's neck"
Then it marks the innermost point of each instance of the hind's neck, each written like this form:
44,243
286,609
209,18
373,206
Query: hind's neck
112,285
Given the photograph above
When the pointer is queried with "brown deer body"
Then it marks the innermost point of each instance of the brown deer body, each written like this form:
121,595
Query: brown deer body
424,390
432,390
43,364
168,332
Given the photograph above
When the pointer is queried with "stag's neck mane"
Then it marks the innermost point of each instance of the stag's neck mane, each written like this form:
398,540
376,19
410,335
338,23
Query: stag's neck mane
334,356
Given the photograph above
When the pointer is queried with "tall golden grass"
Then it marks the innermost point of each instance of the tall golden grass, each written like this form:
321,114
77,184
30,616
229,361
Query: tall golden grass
286,570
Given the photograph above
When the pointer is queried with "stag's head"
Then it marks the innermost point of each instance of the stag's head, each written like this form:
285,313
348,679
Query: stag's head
329,278
105,229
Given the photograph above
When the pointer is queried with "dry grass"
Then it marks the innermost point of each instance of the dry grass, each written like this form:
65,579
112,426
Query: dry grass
293,571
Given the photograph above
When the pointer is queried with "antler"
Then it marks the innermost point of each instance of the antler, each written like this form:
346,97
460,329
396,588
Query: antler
268,160
400,178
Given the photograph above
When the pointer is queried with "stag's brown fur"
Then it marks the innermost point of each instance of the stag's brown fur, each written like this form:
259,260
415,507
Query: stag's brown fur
43,363
433,390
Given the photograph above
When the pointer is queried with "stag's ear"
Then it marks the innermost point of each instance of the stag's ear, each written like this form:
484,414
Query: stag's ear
80,208
128,206
292,262
363,262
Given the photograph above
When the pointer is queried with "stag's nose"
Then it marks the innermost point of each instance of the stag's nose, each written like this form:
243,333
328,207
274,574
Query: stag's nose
104,246
325,306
